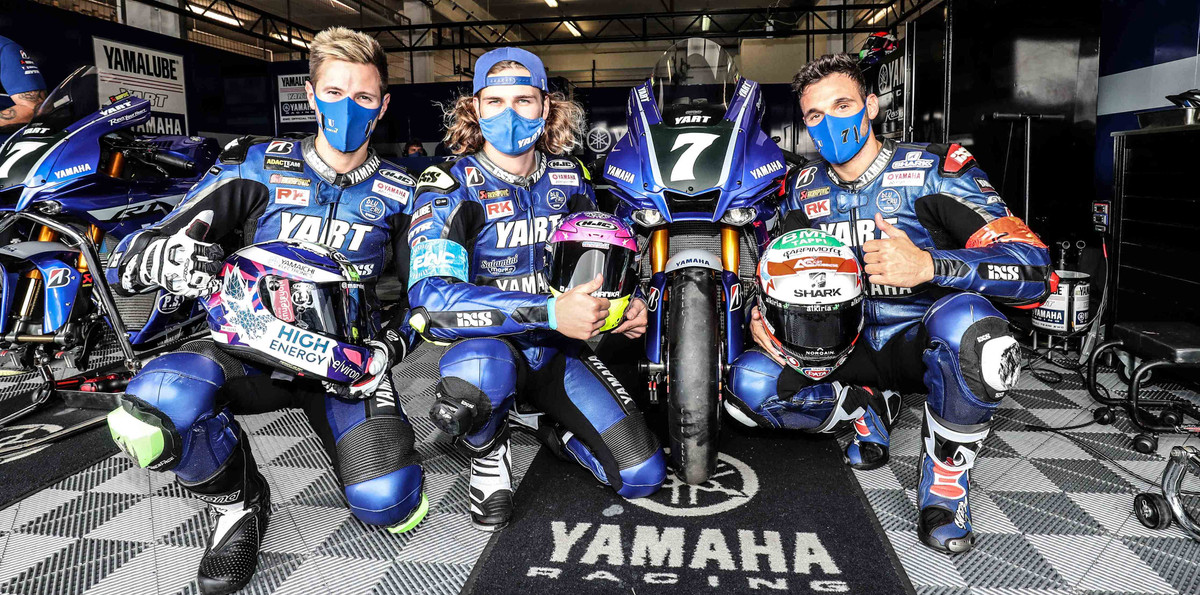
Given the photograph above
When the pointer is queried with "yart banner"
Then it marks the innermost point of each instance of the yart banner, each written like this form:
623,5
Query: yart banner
150,74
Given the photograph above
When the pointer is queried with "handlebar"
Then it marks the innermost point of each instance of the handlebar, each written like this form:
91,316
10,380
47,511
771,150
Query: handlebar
170,160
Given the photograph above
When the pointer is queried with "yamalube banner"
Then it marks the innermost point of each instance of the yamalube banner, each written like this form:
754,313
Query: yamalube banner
150,74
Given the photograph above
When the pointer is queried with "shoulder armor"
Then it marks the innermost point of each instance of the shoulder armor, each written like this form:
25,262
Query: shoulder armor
953,160
235,152
437,178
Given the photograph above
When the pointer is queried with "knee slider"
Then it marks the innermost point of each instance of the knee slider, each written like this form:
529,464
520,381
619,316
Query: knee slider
146,434
644,479
460,408
380,470
976,334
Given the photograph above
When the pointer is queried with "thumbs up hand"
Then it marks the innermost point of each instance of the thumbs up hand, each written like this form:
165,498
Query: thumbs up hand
895,260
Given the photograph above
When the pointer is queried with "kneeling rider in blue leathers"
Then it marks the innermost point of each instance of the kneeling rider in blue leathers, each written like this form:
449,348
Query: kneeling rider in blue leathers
935,238
330,189
477,242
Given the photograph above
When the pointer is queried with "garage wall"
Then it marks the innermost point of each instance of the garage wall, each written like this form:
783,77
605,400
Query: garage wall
226,92
1148,49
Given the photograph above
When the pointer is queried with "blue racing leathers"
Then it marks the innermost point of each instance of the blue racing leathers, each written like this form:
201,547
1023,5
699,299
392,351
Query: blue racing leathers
477,243
945,336
264,189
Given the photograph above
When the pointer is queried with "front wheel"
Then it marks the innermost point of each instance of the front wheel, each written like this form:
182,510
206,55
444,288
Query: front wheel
693,364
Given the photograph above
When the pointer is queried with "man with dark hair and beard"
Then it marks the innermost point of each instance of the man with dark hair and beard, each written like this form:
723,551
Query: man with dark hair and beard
938,246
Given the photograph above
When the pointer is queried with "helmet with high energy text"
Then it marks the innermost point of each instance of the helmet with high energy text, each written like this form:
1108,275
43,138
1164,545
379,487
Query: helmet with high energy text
293,305
593,243
810,296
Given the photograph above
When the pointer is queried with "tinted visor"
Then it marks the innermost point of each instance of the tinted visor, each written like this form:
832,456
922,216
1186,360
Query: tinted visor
336,310
816,334
574,263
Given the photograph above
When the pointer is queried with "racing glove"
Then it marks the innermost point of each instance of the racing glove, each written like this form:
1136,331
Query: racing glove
378,366
178,264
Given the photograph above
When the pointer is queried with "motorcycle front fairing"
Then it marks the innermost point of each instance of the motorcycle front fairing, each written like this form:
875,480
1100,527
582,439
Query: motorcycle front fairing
697,173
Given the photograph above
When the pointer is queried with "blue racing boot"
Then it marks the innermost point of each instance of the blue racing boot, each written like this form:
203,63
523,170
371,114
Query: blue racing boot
945,514
873,430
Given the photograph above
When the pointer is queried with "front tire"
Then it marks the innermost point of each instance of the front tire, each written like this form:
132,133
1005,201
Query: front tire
693,364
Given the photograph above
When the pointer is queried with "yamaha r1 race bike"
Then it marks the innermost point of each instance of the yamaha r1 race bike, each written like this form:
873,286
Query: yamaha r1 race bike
74,180
700,178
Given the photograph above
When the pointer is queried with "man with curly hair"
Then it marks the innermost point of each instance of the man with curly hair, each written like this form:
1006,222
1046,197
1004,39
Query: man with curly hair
477,245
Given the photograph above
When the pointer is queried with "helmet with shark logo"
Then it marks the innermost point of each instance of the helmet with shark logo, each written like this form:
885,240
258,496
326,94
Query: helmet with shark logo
810,295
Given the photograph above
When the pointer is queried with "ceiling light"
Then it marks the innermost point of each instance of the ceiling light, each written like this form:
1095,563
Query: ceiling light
573,29
214,15
552,3
295,40
879,14
705,22
343,5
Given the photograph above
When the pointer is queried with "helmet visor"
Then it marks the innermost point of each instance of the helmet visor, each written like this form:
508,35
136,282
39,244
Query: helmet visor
575,263
335,309
815,334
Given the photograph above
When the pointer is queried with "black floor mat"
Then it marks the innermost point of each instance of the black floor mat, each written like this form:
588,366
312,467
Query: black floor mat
782,514
24,474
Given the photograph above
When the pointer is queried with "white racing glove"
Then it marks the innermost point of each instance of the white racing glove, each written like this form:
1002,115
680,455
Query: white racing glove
377,370
180,265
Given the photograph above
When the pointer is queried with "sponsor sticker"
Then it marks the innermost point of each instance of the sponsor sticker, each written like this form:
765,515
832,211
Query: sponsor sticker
474,176
390,191
290,180
619,174
496,210
913,160
560,164
280,147
58,277
398,176
904,178
371,208
282,164
888,201
438,258
556,198
168,303
292,196
818,208
493,194
806,176
814,192
562,178
985,186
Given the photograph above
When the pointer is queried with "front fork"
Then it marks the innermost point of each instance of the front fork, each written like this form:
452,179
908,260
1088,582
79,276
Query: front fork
654,366
30,289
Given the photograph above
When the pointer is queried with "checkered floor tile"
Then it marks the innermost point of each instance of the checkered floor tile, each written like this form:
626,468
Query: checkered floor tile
1053,518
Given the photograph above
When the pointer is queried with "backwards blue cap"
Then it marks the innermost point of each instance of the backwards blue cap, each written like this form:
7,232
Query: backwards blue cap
537,72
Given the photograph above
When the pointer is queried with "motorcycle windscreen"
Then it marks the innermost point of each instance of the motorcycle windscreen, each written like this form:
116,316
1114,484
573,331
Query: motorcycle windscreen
576,263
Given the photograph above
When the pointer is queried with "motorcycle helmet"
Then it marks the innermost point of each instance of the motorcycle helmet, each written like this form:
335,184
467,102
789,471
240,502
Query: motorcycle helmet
293,305
810,296
877,45
592,243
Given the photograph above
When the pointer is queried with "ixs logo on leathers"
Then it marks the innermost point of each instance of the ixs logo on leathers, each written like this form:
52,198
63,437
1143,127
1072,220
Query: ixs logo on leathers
719,557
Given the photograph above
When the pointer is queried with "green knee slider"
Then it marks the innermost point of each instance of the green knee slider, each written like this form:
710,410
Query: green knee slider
145,434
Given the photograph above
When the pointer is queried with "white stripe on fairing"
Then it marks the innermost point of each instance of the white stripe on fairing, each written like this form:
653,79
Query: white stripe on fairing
1146,88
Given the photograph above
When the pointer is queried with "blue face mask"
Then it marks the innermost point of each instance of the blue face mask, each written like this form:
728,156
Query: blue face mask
838,139
347,124
511,133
